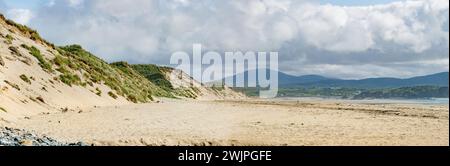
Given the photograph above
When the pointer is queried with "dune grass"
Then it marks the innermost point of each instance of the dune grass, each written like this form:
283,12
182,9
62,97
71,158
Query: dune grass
111,94
9,39
25,78
37,54
119,76
3,109
15,86
154,74
26,31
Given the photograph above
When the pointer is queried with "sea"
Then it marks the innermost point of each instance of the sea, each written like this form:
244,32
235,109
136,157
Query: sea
439,101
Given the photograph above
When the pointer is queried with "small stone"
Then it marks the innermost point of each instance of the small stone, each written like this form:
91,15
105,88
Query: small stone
26,143
64,110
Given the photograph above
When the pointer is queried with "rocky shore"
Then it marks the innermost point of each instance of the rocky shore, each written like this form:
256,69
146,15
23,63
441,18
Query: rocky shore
17,137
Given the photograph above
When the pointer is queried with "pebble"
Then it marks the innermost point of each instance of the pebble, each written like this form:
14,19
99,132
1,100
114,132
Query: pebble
16,137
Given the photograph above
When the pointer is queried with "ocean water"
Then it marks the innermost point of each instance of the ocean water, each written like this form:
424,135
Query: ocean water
439,101
410,101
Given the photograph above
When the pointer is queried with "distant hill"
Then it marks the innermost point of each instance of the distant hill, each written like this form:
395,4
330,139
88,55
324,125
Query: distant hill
283,78
429,86
439,79
290,81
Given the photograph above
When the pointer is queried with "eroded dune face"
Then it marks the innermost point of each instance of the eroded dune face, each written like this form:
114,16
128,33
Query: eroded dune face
181,80
37,77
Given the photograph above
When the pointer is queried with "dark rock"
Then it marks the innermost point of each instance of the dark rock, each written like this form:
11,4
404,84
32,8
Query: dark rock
15,137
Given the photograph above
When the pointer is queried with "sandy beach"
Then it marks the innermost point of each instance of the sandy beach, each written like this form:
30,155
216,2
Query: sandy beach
248,122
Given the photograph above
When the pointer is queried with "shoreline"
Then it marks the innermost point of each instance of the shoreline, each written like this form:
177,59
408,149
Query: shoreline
437,101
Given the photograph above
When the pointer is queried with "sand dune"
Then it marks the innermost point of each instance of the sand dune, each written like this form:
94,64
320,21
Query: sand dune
72,80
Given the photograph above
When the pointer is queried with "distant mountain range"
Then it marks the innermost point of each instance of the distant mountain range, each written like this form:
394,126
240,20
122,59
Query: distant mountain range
290,81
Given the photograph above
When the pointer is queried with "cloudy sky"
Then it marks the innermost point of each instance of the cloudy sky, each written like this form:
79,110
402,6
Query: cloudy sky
336,38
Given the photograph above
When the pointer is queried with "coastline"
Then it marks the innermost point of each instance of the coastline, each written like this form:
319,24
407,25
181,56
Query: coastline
439,101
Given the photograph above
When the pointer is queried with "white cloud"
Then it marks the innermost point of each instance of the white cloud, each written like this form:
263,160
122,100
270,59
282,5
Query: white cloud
149,31
22,16
75,3
51,3
398,69
415,25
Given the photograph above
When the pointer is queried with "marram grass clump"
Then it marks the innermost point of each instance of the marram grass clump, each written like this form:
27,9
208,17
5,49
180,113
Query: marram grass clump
25,78
37,54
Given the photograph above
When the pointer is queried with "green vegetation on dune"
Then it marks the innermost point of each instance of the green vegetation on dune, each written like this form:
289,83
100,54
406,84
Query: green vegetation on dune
9,39
74,66
111,94
218,88
26,31
70,79
15,86
3,109
25,78
64,67
157,75
140,80
118,76
37,54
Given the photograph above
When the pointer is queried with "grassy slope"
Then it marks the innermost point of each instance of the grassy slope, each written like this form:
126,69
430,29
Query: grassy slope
154,74
26,31
157,75
118,76
75,66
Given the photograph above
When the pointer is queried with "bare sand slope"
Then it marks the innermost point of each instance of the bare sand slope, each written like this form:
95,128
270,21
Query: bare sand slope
249,123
